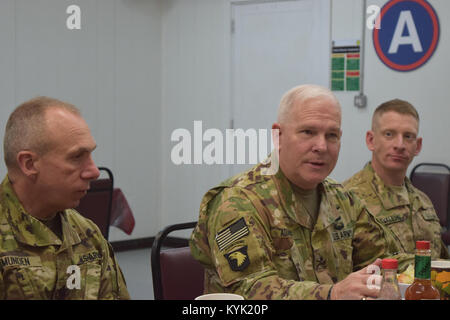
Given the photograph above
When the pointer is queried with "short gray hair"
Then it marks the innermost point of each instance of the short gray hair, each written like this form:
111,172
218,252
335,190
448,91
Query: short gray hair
301,94
26,127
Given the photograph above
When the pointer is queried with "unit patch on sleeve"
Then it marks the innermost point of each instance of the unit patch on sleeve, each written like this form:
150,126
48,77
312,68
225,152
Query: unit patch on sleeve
232,233
238,259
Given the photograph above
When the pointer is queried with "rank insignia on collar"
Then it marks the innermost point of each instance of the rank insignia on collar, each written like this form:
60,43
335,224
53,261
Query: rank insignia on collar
338,224
238,259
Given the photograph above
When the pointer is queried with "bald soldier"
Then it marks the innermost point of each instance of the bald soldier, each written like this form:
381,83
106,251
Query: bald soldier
296,234
47,250
383,186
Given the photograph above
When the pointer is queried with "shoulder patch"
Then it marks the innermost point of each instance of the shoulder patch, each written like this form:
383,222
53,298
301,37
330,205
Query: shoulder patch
238,259
232,233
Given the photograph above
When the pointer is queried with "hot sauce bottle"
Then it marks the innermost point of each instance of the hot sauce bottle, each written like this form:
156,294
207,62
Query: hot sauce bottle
422,288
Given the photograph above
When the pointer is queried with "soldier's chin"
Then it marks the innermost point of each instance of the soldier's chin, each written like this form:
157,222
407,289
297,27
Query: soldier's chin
398,165
320,174
311,181
75,203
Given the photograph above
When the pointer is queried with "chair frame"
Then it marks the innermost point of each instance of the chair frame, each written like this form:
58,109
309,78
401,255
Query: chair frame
155,255
442,165
111,190
427,164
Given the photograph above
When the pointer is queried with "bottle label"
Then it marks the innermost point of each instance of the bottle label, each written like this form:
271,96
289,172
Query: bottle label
422,268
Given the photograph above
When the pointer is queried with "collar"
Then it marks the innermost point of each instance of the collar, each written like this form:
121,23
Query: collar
389,197
293,207
29,230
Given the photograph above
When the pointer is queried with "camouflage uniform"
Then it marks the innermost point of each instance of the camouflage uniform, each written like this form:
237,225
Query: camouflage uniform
409,215
253,240
36,264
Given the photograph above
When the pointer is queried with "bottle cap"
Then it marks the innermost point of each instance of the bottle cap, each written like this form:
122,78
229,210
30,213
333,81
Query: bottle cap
389,264
423,245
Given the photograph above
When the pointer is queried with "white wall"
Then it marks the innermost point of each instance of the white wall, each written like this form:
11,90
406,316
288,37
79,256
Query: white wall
195,86
139,69
347,24
110,69
137,104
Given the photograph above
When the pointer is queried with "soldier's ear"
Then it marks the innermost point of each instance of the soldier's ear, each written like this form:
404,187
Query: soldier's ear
26,161
419,146
369,140
276,135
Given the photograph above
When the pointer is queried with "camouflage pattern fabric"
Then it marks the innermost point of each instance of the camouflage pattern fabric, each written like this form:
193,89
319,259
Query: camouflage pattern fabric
409,215
253,239
36,264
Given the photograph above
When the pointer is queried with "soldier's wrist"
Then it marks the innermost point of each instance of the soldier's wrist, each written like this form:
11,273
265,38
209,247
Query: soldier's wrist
329,293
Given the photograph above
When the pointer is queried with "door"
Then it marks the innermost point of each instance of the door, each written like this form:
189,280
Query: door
275,46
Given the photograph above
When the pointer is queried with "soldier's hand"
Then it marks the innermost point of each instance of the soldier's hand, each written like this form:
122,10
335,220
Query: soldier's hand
359,285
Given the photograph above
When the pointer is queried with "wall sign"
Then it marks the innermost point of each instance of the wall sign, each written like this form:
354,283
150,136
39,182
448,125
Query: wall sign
345,65
408,34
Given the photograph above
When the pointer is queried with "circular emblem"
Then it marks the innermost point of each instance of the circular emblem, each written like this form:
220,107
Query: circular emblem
408,34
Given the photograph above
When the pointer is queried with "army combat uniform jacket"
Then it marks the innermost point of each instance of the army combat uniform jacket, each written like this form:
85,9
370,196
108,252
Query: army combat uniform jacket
409,215
253,241
36,264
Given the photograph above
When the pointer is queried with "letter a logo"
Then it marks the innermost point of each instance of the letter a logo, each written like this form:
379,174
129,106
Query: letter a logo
409,35
405,19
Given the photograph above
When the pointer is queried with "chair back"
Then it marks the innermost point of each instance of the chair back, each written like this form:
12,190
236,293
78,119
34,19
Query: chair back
436,185
176,274
96,204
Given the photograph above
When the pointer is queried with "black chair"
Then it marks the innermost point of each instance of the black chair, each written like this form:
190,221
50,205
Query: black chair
437,187
97,203
176,274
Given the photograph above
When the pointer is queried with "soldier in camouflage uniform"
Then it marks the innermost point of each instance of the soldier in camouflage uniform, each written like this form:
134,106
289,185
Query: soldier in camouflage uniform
48,251
262,237
383,186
